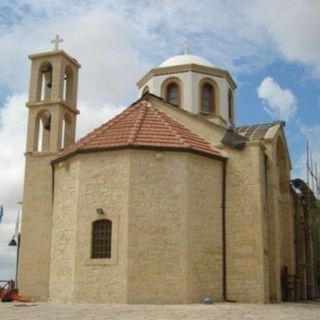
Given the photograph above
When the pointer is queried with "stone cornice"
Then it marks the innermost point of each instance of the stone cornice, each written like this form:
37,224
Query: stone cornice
55,53
258,143
41,153
50,103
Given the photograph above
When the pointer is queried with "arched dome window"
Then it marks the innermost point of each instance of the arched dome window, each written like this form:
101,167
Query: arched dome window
173,93
207,98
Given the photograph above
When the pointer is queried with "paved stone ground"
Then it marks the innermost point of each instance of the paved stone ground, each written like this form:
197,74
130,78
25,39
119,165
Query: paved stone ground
221,311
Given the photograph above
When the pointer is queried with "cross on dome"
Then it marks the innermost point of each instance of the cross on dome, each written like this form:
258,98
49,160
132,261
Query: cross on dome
56,42
185,47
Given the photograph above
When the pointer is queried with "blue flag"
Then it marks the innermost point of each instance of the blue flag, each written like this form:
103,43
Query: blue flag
1,213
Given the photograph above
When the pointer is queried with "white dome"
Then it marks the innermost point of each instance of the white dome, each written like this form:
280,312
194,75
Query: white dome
185,59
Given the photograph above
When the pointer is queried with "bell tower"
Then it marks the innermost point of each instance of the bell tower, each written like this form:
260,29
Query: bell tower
51,127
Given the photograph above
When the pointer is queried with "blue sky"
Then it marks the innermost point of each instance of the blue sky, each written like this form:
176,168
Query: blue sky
271,49
305,88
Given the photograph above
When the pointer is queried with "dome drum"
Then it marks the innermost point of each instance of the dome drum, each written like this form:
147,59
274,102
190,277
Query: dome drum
190,74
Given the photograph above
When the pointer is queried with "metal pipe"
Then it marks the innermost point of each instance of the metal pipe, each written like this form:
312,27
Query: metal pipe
224,254
224,234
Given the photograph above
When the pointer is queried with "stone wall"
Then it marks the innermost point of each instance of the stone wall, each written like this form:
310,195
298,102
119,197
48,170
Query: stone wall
204,253
103,183
157,255
33,278
99,180
174,229
167,225
166,236
280,214
246,274
64,223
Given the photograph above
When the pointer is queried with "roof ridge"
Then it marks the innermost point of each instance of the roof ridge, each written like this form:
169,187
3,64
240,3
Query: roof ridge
256,129
137,125
160,115
273,123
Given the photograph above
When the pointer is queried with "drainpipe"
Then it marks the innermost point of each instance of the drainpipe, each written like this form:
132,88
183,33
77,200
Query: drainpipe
224,242
224,256
52,183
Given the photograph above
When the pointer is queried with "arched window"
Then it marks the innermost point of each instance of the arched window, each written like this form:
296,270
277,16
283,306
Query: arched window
173,93
101,239
207,98
230,105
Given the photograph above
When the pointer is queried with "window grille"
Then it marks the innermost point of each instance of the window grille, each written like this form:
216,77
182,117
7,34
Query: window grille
101,239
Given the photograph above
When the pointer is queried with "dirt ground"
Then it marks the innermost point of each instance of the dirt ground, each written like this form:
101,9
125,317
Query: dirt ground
221,311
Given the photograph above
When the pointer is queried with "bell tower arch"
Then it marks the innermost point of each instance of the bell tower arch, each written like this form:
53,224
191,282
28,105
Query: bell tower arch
52,106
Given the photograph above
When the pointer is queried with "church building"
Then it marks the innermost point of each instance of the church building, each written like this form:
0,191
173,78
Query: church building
169,202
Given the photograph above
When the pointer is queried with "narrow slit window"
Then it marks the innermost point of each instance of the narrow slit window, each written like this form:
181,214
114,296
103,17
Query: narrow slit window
101,239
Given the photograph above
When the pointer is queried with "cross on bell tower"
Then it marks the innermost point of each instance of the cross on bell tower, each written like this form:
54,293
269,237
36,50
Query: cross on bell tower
56,42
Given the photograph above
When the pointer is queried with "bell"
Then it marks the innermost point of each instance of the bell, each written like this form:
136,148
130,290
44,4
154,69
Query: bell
46,69
47,123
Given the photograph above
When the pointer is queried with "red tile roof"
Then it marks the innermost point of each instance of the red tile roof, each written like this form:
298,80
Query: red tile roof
141,126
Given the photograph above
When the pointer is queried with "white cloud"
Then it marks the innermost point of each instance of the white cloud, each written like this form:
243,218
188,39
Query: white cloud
89,120
293,27
279,103
102,41
126,38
